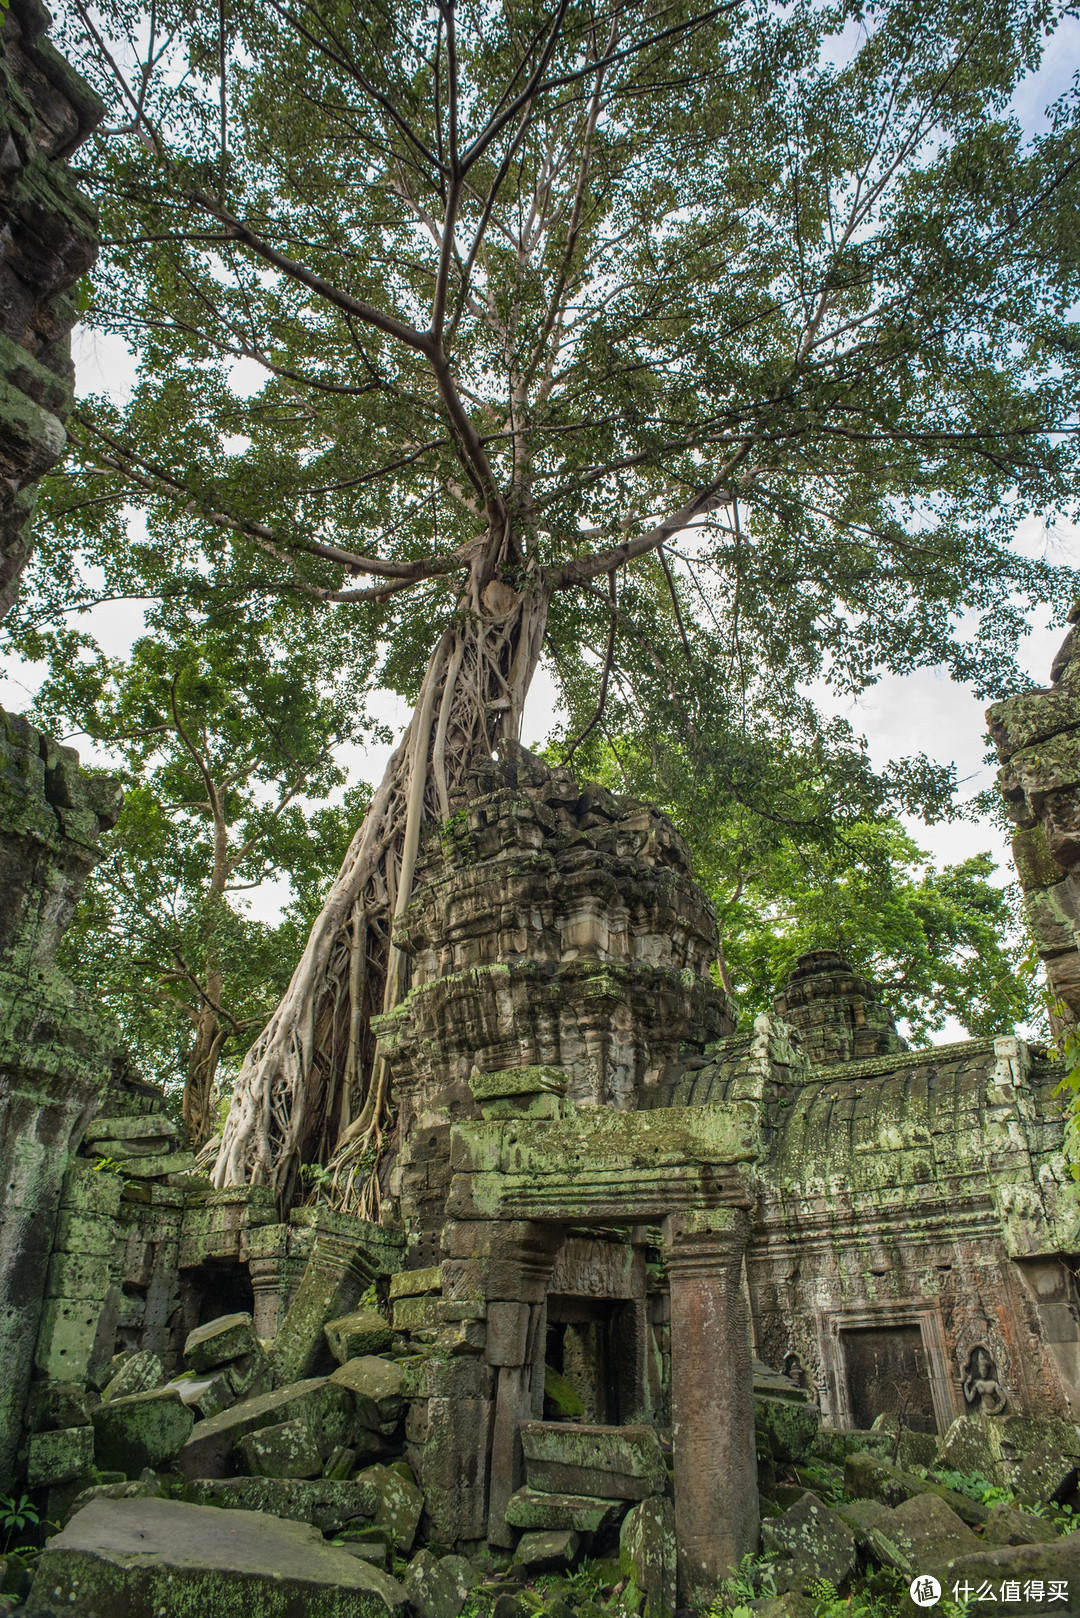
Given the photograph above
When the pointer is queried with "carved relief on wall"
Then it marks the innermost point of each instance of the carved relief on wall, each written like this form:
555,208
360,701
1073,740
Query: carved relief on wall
983,1392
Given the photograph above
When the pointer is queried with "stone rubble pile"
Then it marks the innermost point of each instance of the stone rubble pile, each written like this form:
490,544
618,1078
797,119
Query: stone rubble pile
842,1504
293,1498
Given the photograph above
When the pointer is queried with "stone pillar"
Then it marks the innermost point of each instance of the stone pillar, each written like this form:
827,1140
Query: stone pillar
712,1400
346,1256
509,1265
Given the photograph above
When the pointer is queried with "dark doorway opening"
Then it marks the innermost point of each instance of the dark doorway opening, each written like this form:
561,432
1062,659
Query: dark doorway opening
887,1374
590,1342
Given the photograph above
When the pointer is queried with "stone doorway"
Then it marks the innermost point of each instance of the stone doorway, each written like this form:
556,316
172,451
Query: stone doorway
887,1374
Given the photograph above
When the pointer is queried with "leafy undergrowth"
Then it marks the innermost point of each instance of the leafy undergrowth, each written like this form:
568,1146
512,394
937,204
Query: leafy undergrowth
878,1593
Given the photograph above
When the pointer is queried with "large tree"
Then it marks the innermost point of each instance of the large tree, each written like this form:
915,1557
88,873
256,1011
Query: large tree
726,337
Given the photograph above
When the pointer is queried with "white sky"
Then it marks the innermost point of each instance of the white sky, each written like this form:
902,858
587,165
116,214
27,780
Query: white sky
921,712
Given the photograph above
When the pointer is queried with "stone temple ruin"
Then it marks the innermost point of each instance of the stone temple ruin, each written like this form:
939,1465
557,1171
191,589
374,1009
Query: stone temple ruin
647,1287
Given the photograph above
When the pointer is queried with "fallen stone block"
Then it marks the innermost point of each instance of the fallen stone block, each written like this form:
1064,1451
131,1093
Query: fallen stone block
398,1503
59,1456
1046,1474
230,1337
375,1385
326,1406
435,1586
533,1508
249,1376
1019,1436
209,1395
287,1450
971,1445
139,1489
140,1373
647,1554
875,1531
158,1164
789,1426
813,1543
928,1531
358,1334
367,1550
141,1430
835,1445
611,1463
331,1505
1007,1526
141,1126
133,1558
868,1478
546,1551
1021,1565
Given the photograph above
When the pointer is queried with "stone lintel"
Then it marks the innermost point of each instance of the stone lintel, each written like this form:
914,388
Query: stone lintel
603,1165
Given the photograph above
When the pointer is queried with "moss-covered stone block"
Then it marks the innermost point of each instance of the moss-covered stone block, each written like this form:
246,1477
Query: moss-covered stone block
375,1385
362,1332
227,1338
77,1275
90,1190
57,1457
130,1558
534,1508
415,1283
546,1550
329,1504
868,1478
789,1425
647,1555
435,1585
66,1338
610,1463
813,1543
326,1406
412,1314
140,1373
398,1504
144,1429
288,1450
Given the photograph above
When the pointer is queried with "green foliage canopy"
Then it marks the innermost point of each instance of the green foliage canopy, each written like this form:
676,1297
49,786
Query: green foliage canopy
575,278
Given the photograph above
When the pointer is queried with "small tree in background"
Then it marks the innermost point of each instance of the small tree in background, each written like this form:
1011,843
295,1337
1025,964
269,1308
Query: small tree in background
222,743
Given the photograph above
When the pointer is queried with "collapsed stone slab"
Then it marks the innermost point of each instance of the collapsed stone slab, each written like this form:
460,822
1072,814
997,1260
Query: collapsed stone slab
537,1508
142,1430
331,1504
398,1502
813,1543
1020,1564
436,1586
375,1385
325,1405
610,1463
647,1555
133,1558
227,1338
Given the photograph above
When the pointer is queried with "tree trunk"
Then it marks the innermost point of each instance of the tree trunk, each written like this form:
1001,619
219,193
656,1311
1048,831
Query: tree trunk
202,1066
312,1087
